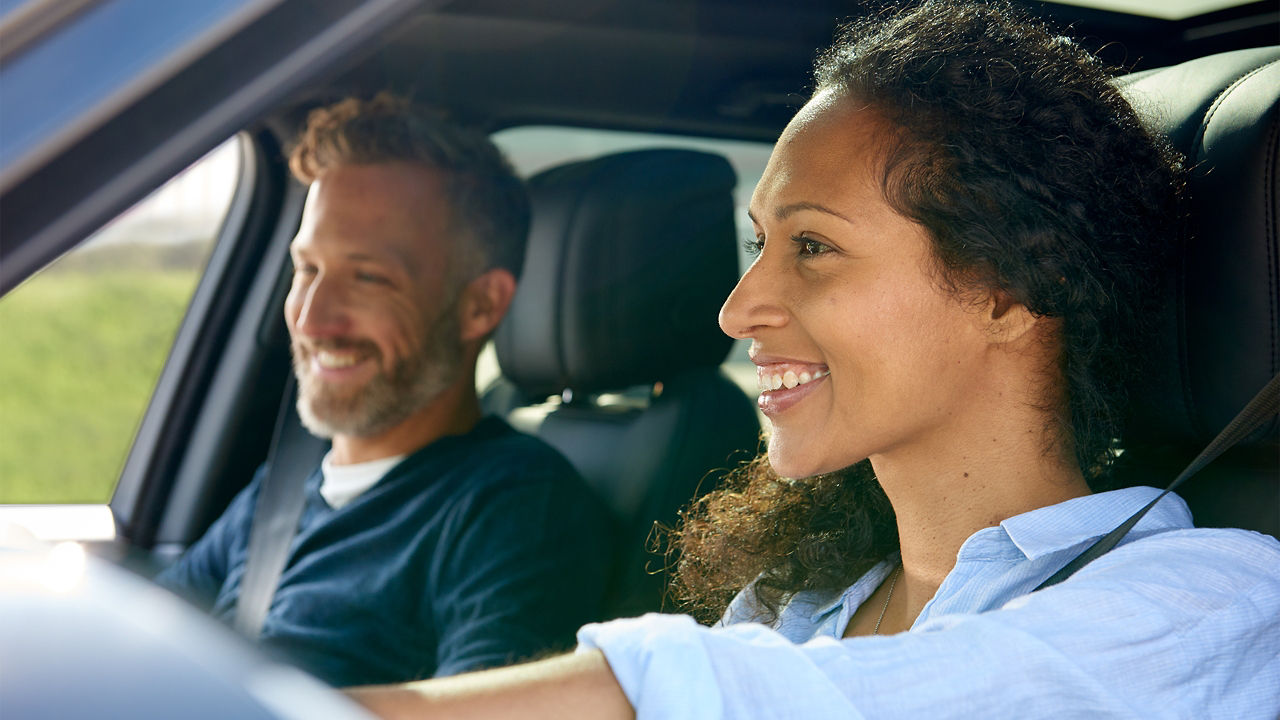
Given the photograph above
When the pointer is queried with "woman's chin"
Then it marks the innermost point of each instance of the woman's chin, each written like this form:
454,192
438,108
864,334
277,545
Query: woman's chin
792,459
787,463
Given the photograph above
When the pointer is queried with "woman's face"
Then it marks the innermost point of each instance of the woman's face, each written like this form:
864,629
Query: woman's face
859,350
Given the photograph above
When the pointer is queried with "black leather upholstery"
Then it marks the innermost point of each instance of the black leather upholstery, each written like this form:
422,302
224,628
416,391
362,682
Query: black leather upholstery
1222,333
630,257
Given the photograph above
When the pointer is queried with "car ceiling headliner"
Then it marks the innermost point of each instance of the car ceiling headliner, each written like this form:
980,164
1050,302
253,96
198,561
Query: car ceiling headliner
731,68
724,68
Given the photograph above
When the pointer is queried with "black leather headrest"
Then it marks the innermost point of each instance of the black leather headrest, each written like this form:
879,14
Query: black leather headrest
1221,343
630,257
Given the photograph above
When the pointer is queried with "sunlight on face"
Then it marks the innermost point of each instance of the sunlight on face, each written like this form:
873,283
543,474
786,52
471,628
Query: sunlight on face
858,349
371,313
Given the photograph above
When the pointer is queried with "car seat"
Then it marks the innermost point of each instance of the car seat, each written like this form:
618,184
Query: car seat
610,351
1221,334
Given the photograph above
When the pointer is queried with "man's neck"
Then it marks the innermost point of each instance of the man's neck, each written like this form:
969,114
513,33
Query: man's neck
454,412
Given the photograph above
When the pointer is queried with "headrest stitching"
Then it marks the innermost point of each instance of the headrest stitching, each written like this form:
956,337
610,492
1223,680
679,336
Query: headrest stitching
561,286
1217,103
1268,212
1183,346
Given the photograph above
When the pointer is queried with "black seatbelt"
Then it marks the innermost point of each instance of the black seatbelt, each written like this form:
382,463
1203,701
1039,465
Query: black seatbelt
293,456
1261,408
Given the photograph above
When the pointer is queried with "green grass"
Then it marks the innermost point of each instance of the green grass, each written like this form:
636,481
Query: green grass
80,355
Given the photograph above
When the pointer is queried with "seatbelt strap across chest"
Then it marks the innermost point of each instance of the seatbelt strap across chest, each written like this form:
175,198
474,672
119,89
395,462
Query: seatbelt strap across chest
1261,408
281,498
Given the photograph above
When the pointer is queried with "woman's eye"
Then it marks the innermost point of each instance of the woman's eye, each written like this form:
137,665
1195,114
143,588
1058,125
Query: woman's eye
303,269
808,247
754,246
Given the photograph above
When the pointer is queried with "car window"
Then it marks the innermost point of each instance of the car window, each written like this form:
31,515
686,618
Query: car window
86,338
536,148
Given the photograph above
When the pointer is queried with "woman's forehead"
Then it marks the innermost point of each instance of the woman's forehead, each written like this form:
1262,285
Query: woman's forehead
831,152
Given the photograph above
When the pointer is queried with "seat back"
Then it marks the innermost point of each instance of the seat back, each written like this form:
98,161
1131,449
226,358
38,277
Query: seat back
1221,334
630,256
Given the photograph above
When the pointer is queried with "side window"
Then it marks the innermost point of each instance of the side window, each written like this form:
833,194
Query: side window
533,149
85,339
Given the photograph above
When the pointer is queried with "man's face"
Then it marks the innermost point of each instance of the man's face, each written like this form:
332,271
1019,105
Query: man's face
371,312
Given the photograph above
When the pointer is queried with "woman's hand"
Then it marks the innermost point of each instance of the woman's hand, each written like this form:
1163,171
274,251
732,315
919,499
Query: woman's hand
566,687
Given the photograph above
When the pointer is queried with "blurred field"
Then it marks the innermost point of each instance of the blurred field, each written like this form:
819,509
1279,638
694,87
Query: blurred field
80,352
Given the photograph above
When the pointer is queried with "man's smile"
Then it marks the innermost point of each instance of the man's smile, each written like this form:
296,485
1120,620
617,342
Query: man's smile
337,360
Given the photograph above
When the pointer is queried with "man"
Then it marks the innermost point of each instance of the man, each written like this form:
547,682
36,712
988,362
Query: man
433,540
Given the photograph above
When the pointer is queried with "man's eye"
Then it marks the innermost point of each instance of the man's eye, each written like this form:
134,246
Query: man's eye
808,247
372,278
304,269
754,246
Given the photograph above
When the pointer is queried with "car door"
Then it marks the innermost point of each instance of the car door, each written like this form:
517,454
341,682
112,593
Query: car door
102,103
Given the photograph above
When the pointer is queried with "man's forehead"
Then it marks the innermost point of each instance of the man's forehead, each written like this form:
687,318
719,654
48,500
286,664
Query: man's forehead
395,212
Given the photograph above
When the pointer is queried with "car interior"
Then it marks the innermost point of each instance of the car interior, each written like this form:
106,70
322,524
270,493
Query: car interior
611,350
1220,333
630,257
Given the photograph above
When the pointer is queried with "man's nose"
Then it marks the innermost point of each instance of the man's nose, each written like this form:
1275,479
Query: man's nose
754,303
321,309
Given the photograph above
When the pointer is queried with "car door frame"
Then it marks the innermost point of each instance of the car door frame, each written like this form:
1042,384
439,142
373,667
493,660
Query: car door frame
77,154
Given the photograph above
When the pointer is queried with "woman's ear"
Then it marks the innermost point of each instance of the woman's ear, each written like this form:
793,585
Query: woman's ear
484,303
1008,321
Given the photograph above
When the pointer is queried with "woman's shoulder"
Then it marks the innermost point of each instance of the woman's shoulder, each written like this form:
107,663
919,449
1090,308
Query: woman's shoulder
1209,544
1232,564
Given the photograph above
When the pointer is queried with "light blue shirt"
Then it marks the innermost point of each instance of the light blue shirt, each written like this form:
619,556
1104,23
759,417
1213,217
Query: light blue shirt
1175,622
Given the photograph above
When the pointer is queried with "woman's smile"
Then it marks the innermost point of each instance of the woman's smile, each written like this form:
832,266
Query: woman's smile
783,383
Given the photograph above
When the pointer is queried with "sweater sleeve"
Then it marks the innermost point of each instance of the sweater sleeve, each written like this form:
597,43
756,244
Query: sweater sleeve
201,571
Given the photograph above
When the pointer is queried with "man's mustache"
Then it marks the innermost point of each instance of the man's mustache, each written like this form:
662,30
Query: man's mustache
335,344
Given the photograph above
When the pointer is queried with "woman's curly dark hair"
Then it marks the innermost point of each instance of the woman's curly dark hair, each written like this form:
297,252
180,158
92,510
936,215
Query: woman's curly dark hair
1036,179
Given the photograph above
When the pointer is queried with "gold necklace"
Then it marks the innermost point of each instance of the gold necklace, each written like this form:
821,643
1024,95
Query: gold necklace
888,596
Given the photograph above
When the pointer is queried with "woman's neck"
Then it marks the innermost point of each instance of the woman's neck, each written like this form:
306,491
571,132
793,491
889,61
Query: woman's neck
946,488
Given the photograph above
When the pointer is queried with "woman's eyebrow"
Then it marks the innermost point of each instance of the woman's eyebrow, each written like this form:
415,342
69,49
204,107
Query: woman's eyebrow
786,211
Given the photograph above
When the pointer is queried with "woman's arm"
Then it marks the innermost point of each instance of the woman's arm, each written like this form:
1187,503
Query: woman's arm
570,686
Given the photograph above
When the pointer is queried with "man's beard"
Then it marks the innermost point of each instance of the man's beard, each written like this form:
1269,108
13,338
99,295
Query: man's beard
389,398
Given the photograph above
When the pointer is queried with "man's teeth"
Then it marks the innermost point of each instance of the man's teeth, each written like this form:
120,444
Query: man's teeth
335,361
788,379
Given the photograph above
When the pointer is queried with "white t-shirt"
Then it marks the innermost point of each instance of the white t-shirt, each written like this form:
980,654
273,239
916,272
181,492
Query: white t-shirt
344,483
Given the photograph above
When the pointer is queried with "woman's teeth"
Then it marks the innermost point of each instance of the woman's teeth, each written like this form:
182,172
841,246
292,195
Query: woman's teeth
788,379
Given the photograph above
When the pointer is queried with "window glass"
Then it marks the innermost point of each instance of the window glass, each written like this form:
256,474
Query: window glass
85,339
533,149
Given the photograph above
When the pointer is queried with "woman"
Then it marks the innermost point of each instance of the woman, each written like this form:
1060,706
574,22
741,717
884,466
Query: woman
958,240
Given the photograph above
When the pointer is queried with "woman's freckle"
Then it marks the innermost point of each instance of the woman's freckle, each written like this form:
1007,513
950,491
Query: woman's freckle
966,474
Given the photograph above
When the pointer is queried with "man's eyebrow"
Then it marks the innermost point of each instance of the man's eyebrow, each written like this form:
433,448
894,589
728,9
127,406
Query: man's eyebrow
390,259
787,211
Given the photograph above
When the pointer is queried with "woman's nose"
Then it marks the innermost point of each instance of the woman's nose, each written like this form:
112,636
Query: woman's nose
754,303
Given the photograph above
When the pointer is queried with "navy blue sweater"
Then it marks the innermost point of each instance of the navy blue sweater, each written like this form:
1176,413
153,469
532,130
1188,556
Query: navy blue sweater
475,551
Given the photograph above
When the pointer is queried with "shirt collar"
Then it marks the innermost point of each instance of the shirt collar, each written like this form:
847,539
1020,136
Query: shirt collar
343,483
854,595
1059,527
1040,532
